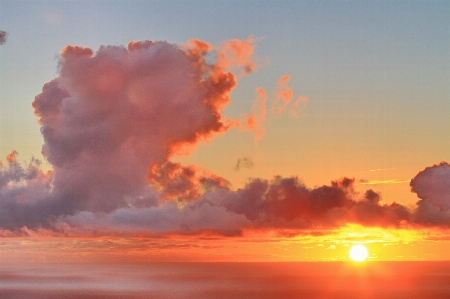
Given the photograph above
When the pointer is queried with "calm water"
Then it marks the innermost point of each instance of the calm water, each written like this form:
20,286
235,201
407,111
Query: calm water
227,280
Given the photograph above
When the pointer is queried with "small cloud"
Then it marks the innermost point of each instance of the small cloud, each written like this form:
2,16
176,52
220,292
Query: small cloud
283,101
320,245
381,169
245,162
380,182
3,37
331,247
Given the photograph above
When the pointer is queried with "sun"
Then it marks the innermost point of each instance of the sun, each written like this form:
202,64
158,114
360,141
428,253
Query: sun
358,253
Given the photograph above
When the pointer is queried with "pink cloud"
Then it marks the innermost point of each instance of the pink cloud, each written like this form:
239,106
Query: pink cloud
237,53
254,122
112,114
282,101
283,96
432,186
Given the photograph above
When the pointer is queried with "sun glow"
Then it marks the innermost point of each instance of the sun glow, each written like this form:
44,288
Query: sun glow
358,253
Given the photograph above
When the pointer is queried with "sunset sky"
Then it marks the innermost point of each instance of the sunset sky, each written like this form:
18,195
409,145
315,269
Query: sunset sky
224,130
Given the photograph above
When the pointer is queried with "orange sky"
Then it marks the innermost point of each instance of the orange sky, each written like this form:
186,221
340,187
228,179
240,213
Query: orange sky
382,244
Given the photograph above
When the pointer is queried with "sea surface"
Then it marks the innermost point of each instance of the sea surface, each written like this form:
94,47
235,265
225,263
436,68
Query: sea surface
227,280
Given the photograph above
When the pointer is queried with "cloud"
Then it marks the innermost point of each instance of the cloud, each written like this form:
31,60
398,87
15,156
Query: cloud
114,119
432,186
183,183
281,101
237,53
3,37
283,203
166,218
284,95
112,114
255,121
298,106
381,169
245,162
379,182
24,195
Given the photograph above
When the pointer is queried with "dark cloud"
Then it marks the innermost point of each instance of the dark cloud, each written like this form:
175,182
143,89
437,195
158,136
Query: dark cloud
184,183
245,162
283,203
3,37
286,202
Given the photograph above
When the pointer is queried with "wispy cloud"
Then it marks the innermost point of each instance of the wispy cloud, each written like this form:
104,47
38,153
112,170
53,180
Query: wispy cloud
381,169
380,182
245,162
281,102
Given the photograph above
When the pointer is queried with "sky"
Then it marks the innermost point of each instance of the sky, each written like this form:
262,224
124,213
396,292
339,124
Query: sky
224,130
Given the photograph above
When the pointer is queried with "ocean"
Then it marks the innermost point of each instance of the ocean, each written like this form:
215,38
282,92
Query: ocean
227,280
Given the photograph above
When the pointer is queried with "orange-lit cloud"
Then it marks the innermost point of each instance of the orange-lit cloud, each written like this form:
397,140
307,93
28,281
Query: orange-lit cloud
298,106
284,95
184,183
256,119
237,53
282,101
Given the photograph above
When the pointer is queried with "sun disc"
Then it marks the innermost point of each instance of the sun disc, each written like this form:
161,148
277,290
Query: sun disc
358,253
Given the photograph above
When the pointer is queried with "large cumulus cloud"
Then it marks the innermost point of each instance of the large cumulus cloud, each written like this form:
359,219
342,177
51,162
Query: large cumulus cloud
110,115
